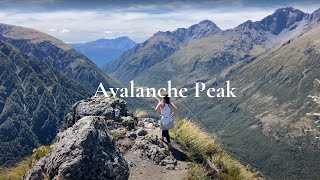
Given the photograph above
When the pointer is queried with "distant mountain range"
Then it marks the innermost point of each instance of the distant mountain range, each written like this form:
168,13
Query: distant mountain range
102,51
157,48
272,62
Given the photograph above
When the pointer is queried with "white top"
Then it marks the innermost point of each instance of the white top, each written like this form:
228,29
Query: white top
166,110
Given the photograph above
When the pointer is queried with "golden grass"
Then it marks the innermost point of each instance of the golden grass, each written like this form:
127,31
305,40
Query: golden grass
140,114
197,172
200,147
21,168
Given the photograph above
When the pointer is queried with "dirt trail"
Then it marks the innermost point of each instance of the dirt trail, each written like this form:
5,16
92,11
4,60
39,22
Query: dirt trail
144,168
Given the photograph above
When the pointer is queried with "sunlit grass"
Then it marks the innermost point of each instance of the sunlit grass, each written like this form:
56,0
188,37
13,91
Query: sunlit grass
20,169
197,172
140,114
201,147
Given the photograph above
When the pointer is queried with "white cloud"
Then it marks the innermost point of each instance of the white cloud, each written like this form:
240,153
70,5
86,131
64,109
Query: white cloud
108,32
65,31
87,25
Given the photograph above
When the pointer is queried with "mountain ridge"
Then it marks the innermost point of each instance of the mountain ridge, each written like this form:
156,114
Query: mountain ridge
104,50
209,56
50,50
157,48
30,114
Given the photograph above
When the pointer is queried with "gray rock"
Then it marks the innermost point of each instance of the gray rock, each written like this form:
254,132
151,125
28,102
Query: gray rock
170,166
141,124
119,133
84,151
109,107
132,135
148,120
151,147
129,122
142,132
149,126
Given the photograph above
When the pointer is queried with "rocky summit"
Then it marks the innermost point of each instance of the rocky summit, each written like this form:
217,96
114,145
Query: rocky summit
85,148
113,109
84,151
100,139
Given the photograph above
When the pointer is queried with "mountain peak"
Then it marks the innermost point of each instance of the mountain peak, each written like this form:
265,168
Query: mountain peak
282,18
203,29
316,15
206,21
288,9
121,38
103,50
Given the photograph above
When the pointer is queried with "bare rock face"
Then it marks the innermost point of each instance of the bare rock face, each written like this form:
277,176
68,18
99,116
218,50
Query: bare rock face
111,108
151,147
84,151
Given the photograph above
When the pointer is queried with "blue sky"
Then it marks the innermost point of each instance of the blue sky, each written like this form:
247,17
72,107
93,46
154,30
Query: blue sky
82,21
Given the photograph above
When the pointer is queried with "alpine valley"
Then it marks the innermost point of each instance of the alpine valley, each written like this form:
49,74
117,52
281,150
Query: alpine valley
271,124
274,63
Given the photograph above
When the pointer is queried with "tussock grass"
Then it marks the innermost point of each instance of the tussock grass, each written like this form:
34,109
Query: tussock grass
201,147
140,114
197,172
20,169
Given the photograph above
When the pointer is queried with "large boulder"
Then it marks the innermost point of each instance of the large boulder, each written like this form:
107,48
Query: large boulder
112,108
84,151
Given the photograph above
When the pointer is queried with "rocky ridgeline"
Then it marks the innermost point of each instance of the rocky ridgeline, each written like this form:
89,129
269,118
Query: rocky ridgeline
152,147
88,145
113,109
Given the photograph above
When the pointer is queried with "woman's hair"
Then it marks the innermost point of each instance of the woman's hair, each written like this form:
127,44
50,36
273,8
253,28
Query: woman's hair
166,99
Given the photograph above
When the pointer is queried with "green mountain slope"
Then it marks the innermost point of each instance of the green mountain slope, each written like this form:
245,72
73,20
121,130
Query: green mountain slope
47,49
207,57
273,63
41,78
267,125
33,100
52,51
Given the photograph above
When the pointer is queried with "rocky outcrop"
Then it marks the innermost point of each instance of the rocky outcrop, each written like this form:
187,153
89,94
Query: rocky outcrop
97,131
84,151
151,147
111,108
86,147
